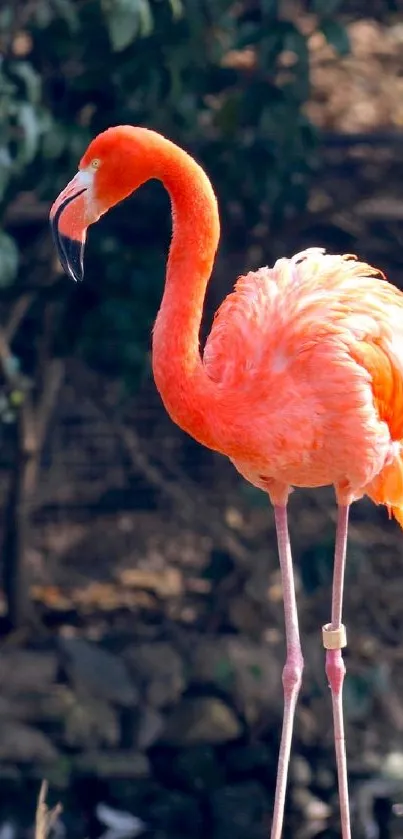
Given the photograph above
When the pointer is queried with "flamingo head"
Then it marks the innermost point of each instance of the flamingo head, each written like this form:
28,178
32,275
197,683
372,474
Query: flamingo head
115,164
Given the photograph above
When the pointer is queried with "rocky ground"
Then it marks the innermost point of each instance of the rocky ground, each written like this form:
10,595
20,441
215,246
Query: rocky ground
151,679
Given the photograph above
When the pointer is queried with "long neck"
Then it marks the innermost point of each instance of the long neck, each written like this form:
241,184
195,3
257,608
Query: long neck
185,388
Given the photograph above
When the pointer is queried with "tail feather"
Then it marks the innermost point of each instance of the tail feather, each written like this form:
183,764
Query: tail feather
387,487
397,512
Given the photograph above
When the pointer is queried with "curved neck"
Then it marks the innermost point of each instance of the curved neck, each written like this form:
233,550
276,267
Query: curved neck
185,388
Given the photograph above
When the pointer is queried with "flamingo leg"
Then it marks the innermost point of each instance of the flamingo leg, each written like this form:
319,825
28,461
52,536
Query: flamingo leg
334,639
292,673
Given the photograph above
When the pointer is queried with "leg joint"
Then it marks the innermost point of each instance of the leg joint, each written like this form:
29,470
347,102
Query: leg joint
335,670
292,673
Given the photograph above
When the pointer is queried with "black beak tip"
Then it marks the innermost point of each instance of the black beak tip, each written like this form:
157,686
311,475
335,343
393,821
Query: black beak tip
70,251
71,255
75,258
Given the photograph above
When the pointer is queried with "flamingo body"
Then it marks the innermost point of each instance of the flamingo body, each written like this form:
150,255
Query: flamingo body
309,362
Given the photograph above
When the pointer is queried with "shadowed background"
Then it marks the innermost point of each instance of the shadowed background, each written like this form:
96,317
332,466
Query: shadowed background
142,625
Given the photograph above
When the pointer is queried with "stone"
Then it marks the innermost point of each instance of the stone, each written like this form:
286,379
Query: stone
392,767
150,726
158,672
300,771
313,808
166,582
120,824
98,672
201,719
247,671
38,708
90,723
21,743
113,764
27,671
240,810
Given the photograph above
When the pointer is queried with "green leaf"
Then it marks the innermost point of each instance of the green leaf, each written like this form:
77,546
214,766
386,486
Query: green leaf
336,35
27,119
54,141
68,13
122,23
11,366
176,8
6,19
32,82
9,259
8,417
42,14
16,397
125,20
6,165
145,18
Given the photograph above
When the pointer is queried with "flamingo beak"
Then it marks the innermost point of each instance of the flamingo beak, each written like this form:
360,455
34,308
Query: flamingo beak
69,220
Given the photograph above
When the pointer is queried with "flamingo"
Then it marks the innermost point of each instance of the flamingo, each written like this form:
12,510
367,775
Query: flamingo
300,383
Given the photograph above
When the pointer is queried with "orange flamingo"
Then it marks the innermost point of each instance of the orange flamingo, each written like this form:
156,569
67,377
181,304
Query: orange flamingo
300,384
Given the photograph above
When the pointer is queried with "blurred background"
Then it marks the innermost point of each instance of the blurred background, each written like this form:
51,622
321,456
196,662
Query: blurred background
141,610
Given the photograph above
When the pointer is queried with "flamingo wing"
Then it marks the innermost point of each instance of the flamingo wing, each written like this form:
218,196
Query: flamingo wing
312,304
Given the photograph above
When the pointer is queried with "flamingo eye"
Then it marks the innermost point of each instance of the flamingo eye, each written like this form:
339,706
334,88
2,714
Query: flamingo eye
95,164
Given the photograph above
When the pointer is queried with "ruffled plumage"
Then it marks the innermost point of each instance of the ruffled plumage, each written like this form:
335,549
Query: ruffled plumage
314,348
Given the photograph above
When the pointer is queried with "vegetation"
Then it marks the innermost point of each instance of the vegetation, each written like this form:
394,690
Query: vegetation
226,80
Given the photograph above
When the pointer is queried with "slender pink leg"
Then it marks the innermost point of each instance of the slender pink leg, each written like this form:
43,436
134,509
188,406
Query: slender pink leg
334,639
292,673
